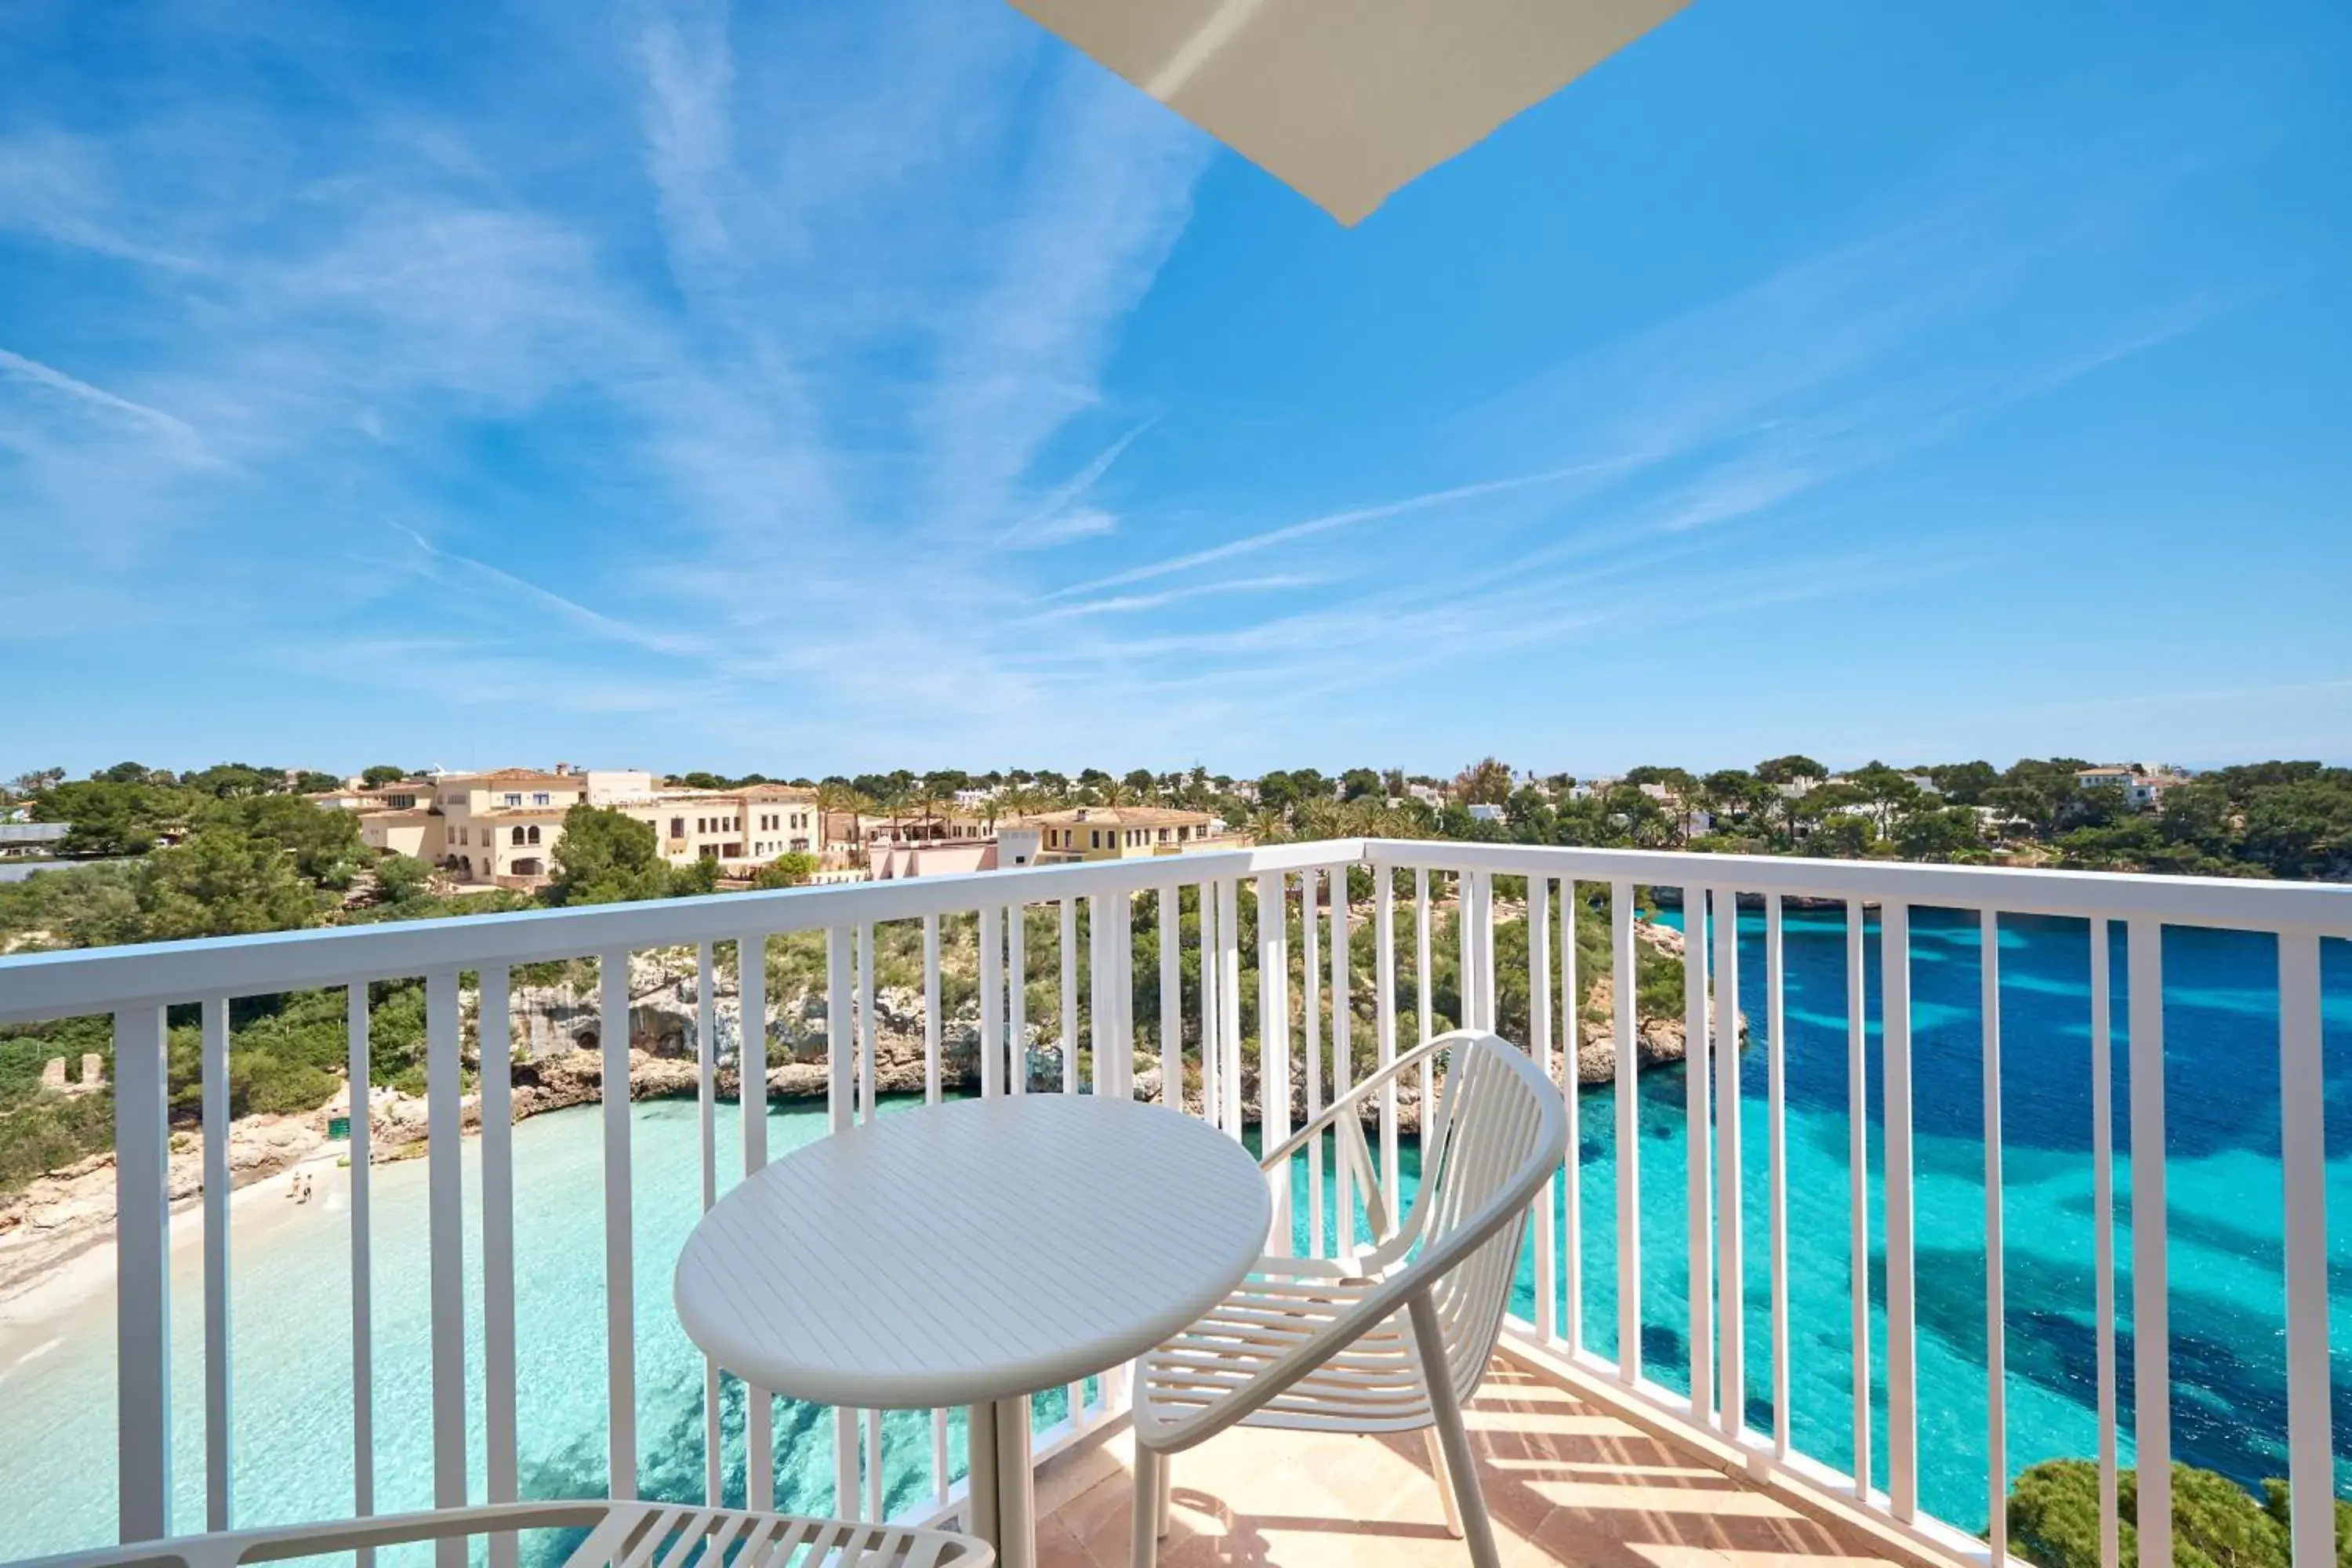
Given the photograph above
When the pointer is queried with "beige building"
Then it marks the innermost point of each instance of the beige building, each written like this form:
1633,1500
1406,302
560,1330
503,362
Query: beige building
745,827
1107,833
501,827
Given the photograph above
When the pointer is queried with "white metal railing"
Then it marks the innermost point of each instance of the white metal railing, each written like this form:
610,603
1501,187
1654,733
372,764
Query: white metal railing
1300,1059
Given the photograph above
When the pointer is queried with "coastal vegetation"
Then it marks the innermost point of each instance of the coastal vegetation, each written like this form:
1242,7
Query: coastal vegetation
2054,1519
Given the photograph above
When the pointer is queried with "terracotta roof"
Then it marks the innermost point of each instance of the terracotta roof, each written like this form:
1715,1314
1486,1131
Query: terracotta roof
1122,816
516,775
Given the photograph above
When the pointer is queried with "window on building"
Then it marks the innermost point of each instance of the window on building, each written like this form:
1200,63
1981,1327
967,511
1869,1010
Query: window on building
534,835
517,836
1095,835
542,798
677,828
515,799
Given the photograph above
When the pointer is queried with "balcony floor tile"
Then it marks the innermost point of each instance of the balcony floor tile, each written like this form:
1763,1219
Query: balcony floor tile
1567,1480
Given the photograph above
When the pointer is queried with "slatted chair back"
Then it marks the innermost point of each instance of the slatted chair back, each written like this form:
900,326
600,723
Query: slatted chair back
1498,1132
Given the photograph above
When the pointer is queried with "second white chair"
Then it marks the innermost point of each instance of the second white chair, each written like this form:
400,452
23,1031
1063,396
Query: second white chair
1396,1339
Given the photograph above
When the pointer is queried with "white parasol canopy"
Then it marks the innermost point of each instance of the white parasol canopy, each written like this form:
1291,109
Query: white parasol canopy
1346,101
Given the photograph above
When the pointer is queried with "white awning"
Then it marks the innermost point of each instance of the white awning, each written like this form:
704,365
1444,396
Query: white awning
1346,101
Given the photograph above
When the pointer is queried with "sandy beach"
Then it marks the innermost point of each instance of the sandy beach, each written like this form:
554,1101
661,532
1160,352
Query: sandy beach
36,1313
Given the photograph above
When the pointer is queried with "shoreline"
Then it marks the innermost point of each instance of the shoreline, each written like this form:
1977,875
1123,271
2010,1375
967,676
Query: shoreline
35,1308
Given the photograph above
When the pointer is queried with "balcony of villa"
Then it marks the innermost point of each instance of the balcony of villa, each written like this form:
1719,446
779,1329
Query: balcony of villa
1884,1182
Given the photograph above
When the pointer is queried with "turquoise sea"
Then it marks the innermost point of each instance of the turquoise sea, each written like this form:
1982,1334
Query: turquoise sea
292,1342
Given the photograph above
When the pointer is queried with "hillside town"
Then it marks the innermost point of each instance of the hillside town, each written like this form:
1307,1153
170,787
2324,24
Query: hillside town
502,829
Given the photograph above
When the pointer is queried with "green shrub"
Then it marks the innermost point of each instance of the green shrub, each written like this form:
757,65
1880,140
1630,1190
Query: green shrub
52,1131
2054,1519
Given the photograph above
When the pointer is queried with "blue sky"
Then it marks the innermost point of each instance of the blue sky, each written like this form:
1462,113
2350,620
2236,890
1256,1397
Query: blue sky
830,386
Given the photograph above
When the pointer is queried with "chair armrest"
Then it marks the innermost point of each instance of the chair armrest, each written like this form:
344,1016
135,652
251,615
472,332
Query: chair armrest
1353,1101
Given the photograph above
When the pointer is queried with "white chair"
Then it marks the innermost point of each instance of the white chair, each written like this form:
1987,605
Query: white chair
1391,1340
619,1535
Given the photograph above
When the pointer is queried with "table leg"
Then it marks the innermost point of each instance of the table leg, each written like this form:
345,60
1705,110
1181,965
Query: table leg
1016,1487
1003,1488
980,1485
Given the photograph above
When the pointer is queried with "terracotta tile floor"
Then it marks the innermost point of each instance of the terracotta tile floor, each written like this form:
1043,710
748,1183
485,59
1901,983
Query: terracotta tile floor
1566,1481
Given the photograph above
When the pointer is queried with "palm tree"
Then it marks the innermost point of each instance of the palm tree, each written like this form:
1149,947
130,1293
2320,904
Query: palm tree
839,799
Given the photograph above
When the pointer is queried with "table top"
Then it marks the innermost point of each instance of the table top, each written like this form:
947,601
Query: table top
972,1250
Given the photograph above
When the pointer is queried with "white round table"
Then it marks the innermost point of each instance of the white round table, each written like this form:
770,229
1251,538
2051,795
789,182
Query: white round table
973,1253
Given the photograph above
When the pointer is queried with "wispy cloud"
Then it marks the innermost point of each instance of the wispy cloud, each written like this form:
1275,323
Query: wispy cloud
1132,604
1058,519
1267,538
96,397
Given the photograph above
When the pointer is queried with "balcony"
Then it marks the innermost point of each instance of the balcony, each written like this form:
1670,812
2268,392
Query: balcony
1956,1185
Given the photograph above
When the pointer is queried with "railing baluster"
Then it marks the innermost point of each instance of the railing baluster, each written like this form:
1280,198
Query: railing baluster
1698,1185
1546,1266
1902,1342
2102,1233
1466,948
705,1069
1425,989
1776,1140
1857,1156
2303,1145
867,979
1212,1013
841,1045
620,1294
1996,1308
991,1000
933,1082
1731,1267
1016,999
868,1091
1171,997
1122,1001
1384,1007
219,1449
142,1264
1343,1065
2151,1290
445,1216
493,1031
1098,989
1571,1030
751,1098
1489,1014
1623,990
1229,995
363,1101
1070,995
706,1094
1310,987
933,1091
1274,1036
752,1050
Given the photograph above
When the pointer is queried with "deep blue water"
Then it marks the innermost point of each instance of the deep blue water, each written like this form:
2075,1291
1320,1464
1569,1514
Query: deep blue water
292,1291
2225,1206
